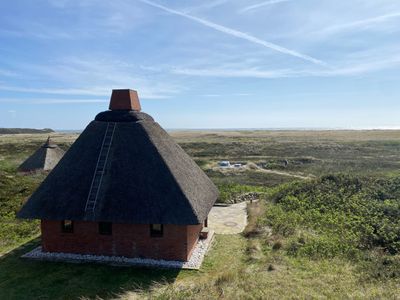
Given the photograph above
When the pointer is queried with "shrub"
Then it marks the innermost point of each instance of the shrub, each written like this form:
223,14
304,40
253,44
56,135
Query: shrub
277,245
270,268
229,192
347,214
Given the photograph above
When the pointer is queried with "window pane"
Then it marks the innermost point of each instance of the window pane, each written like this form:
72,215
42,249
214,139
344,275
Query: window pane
105,228
157,227
156,230
67,226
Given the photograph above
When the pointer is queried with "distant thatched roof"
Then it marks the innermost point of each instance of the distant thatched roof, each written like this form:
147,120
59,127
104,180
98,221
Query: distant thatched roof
45,158
148,178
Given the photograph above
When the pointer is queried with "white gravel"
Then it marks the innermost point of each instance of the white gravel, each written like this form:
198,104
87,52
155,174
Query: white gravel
194,263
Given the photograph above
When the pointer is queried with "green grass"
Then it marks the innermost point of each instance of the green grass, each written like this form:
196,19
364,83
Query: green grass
308,152
25,279
248,178
339,214
14,189
336,236
246,266
251,268
231,193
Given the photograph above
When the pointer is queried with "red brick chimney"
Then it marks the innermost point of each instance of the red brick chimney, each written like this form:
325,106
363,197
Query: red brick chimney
124,100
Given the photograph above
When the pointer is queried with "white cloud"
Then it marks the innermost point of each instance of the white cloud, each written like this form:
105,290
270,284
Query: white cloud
50,101
13,113
360,24
232,73
58,91
96,19
237,33
226,95
355,69
261,4
90,91
36,30
89,76
58,3
205,6
7,73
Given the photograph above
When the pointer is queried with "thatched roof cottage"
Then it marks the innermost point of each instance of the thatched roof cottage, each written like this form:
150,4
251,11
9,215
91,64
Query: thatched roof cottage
123,188
43,159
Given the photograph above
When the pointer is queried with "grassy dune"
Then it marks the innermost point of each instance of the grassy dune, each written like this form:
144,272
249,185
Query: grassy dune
331,236
307,152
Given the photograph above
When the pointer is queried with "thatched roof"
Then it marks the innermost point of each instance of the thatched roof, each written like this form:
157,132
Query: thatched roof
45,158
148,178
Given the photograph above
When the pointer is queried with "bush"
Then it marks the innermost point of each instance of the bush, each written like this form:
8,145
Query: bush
347,214
230,192
277,246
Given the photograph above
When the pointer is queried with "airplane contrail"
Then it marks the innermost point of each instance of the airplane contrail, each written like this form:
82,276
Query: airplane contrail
265,3
360,23
236,33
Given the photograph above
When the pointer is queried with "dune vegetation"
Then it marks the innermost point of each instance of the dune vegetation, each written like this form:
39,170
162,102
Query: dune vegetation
335,234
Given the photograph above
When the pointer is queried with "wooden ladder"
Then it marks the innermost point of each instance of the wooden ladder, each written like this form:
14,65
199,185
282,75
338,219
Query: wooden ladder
99,171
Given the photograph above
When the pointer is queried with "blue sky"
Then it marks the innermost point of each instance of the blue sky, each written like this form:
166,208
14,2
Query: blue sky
202,64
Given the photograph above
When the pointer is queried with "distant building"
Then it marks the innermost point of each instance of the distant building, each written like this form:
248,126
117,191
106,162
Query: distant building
124,188
224,164
44,159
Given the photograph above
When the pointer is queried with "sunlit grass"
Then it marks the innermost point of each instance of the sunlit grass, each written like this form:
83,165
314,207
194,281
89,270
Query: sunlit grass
261,263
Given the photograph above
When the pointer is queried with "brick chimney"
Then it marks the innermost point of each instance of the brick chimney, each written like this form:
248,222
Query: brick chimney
124,100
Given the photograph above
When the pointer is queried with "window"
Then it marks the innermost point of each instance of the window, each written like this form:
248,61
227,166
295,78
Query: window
105,228
156,230
67,226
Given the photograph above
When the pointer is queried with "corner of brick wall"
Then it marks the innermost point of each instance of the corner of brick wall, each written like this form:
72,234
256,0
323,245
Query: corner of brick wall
129,240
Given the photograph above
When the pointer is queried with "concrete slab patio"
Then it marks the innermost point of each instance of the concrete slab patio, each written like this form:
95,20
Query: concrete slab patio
230,219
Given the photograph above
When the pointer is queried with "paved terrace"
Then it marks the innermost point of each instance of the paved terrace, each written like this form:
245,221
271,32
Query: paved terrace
228,219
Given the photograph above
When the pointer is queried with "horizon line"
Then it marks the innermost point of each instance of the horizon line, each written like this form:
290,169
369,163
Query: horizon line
266,129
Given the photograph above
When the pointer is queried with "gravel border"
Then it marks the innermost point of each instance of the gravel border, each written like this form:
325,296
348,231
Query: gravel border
194,263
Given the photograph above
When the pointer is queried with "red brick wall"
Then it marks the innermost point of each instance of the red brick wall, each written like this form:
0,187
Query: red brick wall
192,234
129,240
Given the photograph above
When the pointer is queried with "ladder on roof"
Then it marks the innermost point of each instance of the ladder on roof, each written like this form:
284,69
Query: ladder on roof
99,171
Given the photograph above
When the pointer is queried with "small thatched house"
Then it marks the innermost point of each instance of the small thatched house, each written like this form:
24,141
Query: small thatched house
44,159
123,188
